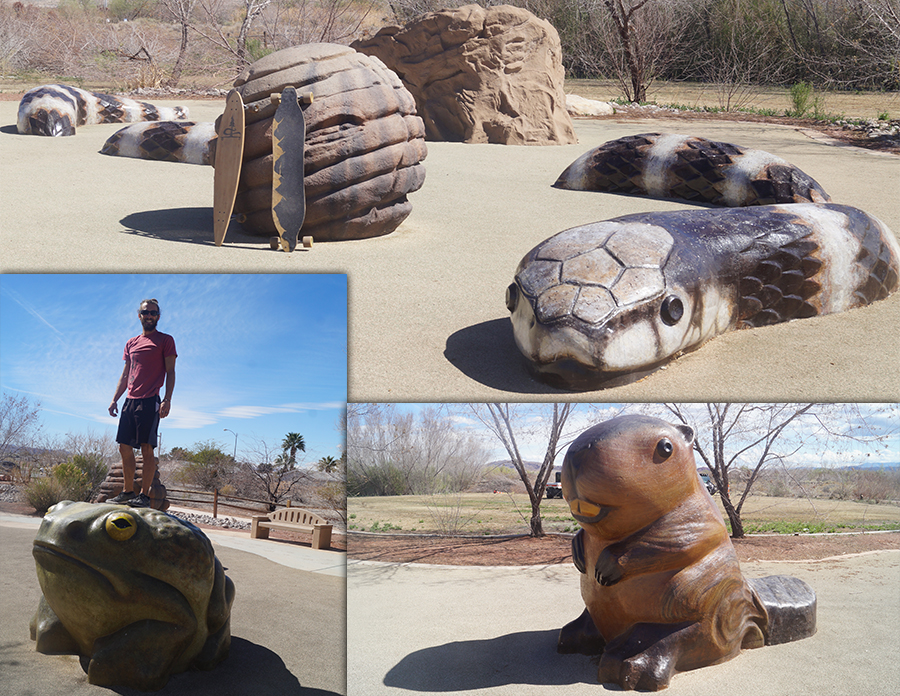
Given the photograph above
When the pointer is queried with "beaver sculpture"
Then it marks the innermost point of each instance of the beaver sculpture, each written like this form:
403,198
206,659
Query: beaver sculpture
137,593
660,579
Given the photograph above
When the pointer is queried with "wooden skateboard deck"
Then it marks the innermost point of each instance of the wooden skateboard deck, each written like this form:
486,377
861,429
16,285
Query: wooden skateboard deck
229,151
288,195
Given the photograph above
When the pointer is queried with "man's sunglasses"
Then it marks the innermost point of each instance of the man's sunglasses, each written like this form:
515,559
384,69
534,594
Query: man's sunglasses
149,313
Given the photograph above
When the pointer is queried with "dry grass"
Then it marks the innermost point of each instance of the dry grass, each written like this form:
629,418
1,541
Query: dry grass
502,513
776,99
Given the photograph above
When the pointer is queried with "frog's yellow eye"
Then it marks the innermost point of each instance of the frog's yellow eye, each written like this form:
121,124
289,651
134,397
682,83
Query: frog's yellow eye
121,526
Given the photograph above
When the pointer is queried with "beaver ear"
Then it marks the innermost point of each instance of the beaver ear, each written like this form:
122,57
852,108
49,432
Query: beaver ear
688,433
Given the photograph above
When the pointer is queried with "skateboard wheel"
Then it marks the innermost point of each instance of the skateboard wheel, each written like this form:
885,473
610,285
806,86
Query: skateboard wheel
274,242
307,242
275,97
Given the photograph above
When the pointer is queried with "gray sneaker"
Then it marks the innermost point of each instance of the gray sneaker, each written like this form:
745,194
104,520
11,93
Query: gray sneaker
122,498
140,501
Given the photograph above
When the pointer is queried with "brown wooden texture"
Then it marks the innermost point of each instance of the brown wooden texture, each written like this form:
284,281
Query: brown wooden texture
229,151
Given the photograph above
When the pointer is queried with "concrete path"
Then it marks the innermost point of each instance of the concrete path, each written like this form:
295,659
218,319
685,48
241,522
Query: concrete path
492,631
288,629
427,315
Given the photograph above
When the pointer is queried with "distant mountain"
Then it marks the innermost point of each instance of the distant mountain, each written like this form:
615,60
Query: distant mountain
872,465
499,463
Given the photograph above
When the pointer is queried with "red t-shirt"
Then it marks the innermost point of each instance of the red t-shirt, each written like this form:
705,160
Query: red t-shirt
148,356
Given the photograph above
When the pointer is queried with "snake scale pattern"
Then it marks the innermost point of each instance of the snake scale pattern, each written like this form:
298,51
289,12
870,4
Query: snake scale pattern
167,141
56,110
605,303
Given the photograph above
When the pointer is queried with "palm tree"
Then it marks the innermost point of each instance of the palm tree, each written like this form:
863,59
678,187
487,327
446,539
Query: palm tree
291,443
328,464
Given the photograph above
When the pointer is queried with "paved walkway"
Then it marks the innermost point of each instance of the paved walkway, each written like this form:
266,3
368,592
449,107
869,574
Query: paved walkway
492,631
288,626
427,315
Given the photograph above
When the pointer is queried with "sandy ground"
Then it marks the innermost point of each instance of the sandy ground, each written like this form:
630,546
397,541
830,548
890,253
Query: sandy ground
427,315
493,631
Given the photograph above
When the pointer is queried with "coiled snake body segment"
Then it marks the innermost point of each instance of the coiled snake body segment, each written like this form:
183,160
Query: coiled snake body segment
56,110
605,303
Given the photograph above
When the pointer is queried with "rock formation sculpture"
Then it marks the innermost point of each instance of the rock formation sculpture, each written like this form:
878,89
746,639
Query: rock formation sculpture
115,481
481,75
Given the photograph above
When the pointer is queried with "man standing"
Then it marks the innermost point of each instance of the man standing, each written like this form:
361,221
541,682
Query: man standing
149,363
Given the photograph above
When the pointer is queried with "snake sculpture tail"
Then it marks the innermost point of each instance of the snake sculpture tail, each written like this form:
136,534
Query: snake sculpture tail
56,110
605,303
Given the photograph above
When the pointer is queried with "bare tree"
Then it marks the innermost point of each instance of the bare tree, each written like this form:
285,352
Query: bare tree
181,12
738,441
641,41
508,423
19,423
391,453
214,31
274,473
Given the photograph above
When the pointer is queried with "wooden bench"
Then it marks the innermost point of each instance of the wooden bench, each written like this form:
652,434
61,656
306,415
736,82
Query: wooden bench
293,520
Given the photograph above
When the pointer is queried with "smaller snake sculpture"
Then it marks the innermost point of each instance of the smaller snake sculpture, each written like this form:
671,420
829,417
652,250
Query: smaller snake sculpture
167,141
56,110
605,303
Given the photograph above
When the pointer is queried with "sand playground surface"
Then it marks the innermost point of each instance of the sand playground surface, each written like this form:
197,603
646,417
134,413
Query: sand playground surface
428,321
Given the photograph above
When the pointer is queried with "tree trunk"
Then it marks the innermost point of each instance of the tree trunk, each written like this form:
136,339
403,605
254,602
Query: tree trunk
537,526
734,516
182,52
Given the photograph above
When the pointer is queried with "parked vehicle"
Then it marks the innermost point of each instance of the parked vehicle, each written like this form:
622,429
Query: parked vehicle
707,481
554,485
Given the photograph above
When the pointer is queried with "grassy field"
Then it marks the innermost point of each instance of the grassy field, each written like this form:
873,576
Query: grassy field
777,99
503,513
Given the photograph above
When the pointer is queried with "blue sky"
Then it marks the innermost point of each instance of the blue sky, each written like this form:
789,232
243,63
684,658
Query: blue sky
808,444
261,355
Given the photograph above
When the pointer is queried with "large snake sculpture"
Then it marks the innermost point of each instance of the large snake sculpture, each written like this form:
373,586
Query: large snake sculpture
608,302
56,110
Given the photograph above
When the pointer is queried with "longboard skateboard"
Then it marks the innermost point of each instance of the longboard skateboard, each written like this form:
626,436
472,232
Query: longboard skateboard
229,151
288,195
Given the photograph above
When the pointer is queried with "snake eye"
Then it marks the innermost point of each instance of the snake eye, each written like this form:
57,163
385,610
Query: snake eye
121,526
512,297
671,310
664,449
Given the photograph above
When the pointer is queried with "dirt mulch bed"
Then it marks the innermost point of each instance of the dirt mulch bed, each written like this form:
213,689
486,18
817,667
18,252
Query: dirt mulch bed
553,550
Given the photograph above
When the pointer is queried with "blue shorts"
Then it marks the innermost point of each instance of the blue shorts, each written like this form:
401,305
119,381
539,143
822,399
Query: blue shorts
139,422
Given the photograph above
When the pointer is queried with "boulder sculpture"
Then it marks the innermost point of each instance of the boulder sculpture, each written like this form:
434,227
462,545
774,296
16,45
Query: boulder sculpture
481,75
660,579
363,149
137,593
115,481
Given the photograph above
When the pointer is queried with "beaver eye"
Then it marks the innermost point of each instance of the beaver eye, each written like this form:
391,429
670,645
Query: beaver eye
121,526
664,449
671,310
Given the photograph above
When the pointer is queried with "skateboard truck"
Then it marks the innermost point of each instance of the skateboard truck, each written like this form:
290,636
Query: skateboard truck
288,193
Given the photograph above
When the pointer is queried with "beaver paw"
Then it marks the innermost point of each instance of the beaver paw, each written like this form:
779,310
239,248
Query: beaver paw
607,569
642,672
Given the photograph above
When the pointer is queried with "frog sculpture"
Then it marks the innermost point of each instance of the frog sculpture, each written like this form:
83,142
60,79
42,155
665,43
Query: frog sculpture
137,593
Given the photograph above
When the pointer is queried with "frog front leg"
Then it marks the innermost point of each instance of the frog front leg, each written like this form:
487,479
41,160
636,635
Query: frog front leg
140,655
50,636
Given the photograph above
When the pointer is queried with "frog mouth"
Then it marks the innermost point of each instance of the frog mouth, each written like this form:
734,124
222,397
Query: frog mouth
587,512
54,560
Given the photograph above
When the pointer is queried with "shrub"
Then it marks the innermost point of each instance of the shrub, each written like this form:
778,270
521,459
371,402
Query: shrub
43,493
67,481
